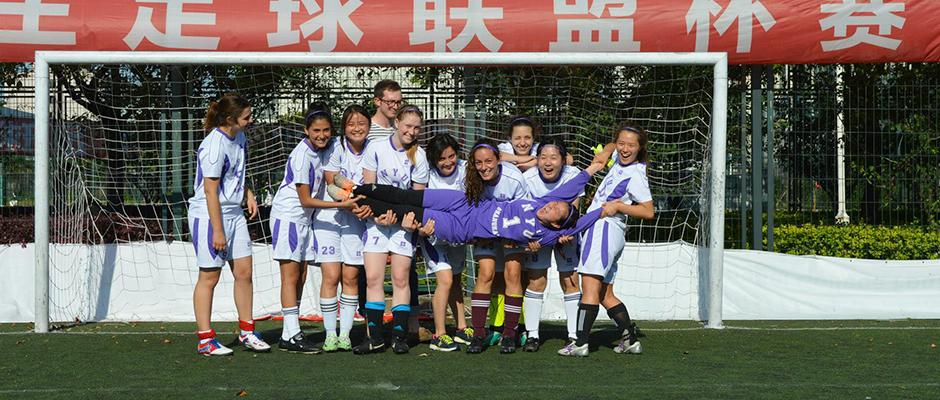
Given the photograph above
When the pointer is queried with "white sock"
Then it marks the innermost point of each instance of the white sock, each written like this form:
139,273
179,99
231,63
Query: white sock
291,322
329,308
347,312
571,312
532,307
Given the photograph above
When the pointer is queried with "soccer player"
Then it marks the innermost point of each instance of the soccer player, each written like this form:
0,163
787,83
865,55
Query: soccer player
295,202
445,260
387,101
339,233
551,171
624,192
521,148
217,223
397,161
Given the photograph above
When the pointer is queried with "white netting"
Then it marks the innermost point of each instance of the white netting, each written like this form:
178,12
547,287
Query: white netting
122,161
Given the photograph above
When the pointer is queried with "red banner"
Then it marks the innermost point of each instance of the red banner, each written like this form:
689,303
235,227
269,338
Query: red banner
750,31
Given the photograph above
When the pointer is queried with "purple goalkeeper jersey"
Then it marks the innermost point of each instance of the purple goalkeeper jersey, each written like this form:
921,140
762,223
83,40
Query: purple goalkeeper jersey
456,221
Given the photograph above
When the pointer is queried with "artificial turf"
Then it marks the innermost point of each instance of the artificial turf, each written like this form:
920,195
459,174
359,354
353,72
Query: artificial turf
747,360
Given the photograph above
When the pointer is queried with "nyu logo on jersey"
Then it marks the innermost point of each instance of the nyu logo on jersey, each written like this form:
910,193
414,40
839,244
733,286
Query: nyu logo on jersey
507,222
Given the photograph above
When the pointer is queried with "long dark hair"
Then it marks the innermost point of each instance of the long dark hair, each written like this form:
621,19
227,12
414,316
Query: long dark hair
554,141
230,105
348,114
523,120
317,111
474,183
436,147
643,137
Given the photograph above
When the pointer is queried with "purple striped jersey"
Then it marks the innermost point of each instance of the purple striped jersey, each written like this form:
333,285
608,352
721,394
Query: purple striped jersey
304,166
454,181
220,156
339,157
625,182
392,165
510,185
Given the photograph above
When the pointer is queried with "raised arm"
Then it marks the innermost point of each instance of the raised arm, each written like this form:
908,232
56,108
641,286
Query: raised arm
583,223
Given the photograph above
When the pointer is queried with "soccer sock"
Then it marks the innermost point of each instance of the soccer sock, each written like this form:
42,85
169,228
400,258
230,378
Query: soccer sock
497,311
587,313
329,307
622,318
400,315
571,313
479,306
291,322
513,310
246,326
205,336
347,312
375,310
532,309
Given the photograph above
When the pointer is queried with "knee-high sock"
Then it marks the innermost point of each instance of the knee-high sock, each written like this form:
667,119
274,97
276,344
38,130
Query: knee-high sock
496,315
330,308
347,311
291,322
532,309
621,317
571,313
479,306
400,315
513,310
375,310
587,313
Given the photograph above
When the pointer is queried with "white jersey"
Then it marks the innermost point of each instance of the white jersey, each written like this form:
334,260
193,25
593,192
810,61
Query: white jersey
455,181
378,133
342,159
506,147
223,157
304,166
392,165
625,182
510,184
538,187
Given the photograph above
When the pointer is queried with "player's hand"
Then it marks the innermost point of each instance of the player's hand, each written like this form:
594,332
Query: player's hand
408,222
349,203
252,206
427,229
533,247
565,240
386,219
218,241
361,212
610,208
509,244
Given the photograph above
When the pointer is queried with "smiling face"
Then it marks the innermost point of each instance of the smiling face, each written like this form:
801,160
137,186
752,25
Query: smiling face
486,163
319,133
409,127
241,123
521,139
628,146
447,163
550,162
553,214
356,129
388,104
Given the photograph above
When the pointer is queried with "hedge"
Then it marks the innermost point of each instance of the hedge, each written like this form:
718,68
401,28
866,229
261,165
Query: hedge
859,241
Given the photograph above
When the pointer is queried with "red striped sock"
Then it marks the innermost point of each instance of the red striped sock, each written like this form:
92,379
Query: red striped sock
247,326
479,307
513,310
203,335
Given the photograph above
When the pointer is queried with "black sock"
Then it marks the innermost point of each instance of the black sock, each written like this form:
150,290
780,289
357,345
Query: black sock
376,325
621,317
400,321
587,313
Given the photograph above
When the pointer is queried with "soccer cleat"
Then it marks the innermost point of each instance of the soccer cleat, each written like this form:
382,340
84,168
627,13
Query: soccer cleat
629,345
331,344
463,336
476,345
523,338
213,348
343,343
343,182
337,193
573,350
531,345
507,346
252,342
444,343
298,344
368,347
400,346
493,338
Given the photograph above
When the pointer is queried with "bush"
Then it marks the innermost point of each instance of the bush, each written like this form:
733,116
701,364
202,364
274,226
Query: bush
859,241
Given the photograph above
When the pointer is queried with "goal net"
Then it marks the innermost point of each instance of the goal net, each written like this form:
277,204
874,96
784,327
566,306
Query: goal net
122,136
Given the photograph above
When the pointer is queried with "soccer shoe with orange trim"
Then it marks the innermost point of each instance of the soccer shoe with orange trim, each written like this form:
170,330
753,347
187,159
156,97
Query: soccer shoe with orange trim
573,350
252,342
343,182
213,348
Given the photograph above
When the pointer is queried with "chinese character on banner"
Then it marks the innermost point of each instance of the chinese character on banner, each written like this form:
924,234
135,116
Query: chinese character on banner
30,11
175,19
871,14
434,13
741,11
614,33
331,18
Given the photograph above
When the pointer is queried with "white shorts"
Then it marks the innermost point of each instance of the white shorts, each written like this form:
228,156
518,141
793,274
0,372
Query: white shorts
292,241
389,239
238,241
442,256
497,251
601,246
566,258
340,243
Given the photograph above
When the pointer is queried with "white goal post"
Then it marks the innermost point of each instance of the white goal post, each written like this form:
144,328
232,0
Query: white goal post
715,181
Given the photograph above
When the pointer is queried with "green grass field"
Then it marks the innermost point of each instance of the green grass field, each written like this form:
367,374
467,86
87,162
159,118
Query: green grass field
747,360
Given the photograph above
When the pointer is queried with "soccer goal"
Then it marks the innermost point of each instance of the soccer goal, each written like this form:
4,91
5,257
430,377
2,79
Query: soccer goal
116,135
